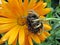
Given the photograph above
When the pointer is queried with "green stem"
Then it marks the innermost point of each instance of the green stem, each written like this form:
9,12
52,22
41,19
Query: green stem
52,19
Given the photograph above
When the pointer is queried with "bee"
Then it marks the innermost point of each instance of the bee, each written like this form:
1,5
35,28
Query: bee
34,23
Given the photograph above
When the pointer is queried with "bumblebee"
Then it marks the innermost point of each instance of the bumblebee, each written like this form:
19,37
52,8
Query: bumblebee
34,23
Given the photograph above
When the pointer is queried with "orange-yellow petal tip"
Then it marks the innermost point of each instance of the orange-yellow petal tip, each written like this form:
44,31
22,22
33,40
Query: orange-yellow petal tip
1,41
47,33
48,10
35,38
47,27
44,5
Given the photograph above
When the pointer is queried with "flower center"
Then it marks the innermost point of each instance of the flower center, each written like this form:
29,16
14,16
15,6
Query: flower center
21,21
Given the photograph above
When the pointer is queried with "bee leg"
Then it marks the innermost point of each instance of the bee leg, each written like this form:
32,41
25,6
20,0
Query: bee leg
37,26
36,20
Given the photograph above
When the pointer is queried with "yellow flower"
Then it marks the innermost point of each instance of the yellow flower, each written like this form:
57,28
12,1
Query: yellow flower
15,27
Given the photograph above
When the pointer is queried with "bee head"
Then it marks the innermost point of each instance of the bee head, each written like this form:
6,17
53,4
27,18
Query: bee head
32,14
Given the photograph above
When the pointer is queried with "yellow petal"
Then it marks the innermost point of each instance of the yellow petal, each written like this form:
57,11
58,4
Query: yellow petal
35,38
1,41
5,11
30,40
25,4
21,6
26,40
6,27
42,37
21,36
20,2
6,20
46,33
26,35
46,27
15,41
14,2
42,12
38,4
13,35
0,2
15,7
3,1
46,11
7,35
44,5
31,4
1,13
